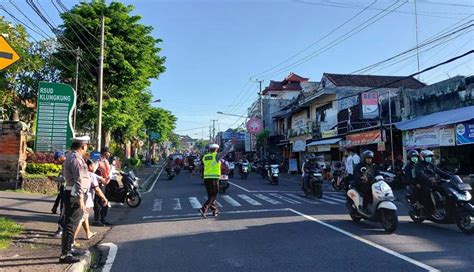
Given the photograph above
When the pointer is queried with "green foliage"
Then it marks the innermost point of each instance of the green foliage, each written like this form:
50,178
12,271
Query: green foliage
201,144
43,168
134,162
8,230
131,61
262,137
161,121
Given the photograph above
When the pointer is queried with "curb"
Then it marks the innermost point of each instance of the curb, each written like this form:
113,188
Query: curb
83,265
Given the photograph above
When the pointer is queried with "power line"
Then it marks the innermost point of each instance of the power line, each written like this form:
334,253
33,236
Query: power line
342,38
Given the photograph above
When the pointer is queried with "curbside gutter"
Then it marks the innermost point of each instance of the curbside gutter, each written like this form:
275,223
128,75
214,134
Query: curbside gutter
83,265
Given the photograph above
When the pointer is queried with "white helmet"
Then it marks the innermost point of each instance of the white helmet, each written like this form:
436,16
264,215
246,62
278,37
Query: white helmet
216,146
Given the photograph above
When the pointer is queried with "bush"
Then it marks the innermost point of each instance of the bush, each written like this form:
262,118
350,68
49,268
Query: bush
40,157
134,162
43,168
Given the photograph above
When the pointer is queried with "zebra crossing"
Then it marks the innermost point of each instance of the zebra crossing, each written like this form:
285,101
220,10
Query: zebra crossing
241,200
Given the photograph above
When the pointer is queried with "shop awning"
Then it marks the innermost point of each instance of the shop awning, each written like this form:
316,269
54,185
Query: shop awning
325,142
440,118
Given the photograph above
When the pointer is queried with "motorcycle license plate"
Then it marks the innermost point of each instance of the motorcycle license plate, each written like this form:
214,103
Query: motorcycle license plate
224,177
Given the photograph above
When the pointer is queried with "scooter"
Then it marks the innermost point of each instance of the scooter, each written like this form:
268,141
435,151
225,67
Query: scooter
272,173
382,209
451,200
315,185
337,180
223,183
231,169
128,193
244,170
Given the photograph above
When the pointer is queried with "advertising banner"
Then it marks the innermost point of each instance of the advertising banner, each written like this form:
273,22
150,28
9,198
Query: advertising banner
239,136
293,165
465,133
370,105
430,137
364,138
329,133
299,145
53,120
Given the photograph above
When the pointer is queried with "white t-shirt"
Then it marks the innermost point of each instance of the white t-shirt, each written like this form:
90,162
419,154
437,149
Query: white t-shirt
351,163
91,191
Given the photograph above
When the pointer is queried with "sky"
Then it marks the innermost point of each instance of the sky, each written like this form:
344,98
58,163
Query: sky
216,50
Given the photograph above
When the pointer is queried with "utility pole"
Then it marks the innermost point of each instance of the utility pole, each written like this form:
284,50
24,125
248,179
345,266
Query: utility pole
213,129
416,30
78,57
101,85
260,98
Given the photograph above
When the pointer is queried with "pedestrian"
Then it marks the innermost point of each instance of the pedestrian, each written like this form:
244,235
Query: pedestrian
104,170
90,195
59,158
211,175
352,161
77,179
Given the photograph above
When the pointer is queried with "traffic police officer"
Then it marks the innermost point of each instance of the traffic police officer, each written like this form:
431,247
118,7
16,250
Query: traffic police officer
212,173
77,178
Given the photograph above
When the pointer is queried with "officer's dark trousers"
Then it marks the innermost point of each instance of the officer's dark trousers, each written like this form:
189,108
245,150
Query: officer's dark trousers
212,188
72,218
100,211
365,190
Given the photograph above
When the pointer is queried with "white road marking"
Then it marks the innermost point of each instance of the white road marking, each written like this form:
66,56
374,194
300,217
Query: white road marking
310,201
343,197
195,202
110,257
326,201
286,199
154,182
199,215
231,201
335,199
218,204
261,191
157,205
250,200
176,204
240,187
267,199
367,242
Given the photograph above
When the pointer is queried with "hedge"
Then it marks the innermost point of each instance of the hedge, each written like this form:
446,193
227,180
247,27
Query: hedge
43,168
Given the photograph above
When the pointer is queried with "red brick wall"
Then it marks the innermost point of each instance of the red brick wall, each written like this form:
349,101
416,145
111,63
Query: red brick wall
12,149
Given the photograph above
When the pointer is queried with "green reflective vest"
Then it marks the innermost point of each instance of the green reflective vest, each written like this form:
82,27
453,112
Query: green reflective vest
212,168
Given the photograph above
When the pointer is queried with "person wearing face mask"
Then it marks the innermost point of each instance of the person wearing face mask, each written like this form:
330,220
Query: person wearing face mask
409,175
426,172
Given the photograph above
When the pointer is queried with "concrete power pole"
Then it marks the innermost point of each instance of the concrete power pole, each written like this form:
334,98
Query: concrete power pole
78,58
213,130
101,85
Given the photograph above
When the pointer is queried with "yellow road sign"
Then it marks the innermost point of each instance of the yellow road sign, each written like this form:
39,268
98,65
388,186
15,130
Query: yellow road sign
8,56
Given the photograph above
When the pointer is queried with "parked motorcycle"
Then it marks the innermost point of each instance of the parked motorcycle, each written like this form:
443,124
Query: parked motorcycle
244,170
272,173
231,169
128,193
451,200
315,185
382,209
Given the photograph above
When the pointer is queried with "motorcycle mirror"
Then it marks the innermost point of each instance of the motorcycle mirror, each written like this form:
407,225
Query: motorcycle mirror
363,170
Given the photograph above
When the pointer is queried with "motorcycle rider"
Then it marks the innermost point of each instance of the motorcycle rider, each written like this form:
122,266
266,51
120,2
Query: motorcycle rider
310,166
362,181
426,172
170,164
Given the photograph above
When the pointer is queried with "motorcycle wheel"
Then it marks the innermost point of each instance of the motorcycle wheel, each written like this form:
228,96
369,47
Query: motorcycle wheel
318,191
275,180
389,220
416,218
352,213
133,200
355,217
170,177
334,185
465,222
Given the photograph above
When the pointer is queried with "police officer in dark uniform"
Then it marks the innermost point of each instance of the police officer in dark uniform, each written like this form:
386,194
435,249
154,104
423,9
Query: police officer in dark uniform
77,180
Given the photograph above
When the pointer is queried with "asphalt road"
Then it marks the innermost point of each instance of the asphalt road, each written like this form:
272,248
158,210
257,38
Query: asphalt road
272,228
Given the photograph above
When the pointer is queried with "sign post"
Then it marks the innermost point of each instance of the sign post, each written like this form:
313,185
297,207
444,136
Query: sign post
54,114
8,56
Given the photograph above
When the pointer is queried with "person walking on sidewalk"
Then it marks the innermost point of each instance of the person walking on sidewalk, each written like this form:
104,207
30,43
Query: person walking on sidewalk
211,175
77,181
104,170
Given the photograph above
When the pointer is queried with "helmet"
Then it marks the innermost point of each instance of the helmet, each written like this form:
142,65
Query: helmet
311,157
426,153
58,154
367,154
216,146
412,153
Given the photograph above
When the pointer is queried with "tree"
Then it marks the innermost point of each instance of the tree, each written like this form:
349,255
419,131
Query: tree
131,60
160,121
201,144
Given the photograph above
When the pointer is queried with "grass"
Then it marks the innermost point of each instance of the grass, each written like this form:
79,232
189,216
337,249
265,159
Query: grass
39,176
8,230
23,191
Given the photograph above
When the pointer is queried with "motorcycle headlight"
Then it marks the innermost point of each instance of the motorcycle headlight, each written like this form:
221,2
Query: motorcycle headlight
464,197
385,188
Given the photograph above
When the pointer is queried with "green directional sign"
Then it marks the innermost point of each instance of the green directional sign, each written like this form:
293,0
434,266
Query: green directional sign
55,104
154,136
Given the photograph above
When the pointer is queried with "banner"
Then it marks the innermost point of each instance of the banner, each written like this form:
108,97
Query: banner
53,120
364,138
430,137
370,105
299,145
329,133
293,165
239,136
465,133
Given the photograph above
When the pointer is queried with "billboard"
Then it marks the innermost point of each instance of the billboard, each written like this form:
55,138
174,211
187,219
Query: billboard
370,105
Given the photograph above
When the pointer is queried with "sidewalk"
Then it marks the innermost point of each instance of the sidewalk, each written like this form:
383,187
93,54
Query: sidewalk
37,249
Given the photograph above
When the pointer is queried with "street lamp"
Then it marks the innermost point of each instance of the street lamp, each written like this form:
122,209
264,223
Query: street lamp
157,101
230,114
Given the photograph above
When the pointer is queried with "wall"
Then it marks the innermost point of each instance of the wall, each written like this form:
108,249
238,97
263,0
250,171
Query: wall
12,152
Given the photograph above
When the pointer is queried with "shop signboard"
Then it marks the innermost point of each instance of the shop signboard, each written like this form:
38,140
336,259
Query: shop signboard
370,105
254,125
230,135
293,165
364,138
465,133
53,120
299,145
248,142
430,137
329,133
